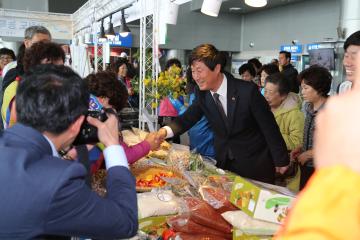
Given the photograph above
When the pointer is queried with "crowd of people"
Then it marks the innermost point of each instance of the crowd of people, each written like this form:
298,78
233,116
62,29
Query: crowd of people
261,126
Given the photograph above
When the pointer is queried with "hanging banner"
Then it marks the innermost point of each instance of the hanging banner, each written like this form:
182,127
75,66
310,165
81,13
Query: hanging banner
15,27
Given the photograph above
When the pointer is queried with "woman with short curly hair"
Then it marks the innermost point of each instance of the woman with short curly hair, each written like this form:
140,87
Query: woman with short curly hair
315,86
111,93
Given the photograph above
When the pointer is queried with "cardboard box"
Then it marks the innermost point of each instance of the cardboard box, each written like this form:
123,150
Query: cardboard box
261,200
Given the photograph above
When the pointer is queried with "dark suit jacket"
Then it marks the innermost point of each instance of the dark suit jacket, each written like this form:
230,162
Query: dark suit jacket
45,195
253,136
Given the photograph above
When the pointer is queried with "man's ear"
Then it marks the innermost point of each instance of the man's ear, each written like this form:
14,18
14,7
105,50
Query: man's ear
217,68
75,126
27,43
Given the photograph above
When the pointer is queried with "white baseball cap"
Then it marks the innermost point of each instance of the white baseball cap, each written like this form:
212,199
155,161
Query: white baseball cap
123,55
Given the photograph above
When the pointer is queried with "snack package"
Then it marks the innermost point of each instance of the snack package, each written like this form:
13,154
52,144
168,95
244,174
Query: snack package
178,157
217,197
248,225
223,181
157,203
202,213
183,223
196,162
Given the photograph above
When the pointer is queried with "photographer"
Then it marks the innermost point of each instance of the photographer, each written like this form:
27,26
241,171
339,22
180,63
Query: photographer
44,195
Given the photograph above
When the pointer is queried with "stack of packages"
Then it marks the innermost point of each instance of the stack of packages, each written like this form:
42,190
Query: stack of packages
209,203
263,208
200,221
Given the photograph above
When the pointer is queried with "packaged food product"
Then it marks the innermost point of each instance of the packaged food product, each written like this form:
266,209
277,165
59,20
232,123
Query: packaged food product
202,213
183,223
217,197
149,177
248,225
157,203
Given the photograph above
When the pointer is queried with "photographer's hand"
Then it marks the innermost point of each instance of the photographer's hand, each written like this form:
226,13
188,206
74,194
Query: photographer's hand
108,132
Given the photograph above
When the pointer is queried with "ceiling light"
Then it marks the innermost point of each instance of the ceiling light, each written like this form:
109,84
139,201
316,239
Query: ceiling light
102,37
124,29
211,7
256,3
110,33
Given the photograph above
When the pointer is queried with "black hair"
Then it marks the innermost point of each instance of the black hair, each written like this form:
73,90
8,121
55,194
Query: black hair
172,61
319,78
353,39
281,81
119,63
247,67
50,98
209,55
9,52
287,54
106,84
255,62
40,51
270,68
190,82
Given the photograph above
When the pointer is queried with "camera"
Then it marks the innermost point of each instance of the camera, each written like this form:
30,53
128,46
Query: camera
88,133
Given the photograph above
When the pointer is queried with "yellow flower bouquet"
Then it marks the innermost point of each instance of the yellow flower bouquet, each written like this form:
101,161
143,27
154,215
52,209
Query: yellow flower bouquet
170,84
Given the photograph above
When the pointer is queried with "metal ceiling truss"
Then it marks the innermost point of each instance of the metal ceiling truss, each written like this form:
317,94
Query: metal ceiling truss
149,66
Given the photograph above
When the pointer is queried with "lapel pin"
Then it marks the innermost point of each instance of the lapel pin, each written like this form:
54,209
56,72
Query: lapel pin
233,98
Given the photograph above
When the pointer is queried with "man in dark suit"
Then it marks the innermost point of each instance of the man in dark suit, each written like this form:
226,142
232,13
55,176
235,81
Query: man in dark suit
247,138
289,71
42,194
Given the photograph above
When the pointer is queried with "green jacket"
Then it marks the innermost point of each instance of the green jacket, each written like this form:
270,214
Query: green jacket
291,121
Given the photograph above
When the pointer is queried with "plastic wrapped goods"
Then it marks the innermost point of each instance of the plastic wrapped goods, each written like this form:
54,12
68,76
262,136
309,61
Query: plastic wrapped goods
218,198
202,213
185,224
157,203
249,225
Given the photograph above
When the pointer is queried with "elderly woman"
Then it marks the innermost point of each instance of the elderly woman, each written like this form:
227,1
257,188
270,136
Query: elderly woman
286,108
315,84
266,70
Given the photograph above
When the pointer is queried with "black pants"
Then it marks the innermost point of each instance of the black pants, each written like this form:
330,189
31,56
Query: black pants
306,173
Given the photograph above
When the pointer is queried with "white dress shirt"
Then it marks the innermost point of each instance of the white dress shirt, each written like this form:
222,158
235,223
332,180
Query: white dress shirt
114,155
222,91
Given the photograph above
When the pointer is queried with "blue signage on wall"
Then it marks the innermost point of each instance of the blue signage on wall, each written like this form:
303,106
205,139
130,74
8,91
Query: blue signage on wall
313,46
123,41
291,48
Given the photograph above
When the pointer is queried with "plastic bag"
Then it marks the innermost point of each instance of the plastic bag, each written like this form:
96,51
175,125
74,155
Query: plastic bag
157,203
248,225
183,223
196,162
218,198
178,157
202,213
